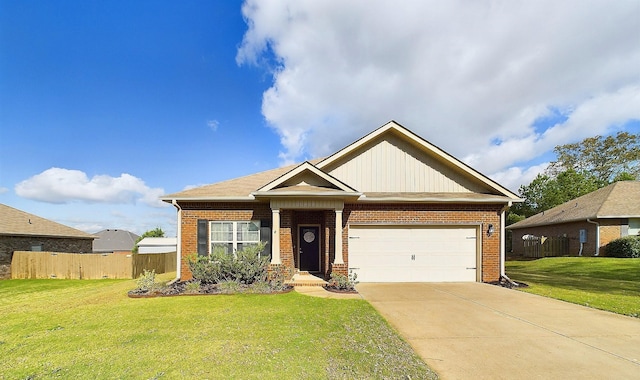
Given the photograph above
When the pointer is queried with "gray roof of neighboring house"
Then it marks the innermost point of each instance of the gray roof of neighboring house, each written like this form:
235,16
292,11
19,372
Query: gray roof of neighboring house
111,240
14,222
618,200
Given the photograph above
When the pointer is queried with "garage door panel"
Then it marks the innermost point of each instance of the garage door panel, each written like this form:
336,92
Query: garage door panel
412,254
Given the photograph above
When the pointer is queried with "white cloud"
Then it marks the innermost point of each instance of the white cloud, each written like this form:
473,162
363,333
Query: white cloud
3,190
213,124
57,185
514,177
461,74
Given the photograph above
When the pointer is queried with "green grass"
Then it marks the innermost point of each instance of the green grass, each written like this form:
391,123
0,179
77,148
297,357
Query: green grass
91,330
603,283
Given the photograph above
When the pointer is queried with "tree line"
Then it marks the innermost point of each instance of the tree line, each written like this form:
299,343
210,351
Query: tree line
580,168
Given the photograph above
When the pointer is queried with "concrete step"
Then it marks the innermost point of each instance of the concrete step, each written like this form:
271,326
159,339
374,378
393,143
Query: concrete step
305,279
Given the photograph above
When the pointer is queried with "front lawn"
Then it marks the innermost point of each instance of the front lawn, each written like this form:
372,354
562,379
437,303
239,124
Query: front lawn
91,330
604,283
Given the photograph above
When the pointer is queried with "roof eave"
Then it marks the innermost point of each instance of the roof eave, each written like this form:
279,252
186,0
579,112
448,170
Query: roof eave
9,233
248,198
305,194
434,200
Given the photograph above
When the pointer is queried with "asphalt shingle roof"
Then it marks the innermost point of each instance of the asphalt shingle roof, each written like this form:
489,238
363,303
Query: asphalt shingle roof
618,200
111,240
15,222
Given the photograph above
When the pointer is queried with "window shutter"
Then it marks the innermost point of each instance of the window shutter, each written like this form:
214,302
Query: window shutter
203,237
265,237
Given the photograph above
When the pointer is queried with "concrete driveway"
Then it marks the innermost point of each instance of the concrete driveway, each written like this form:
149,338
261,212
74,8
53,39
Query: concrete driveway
481,331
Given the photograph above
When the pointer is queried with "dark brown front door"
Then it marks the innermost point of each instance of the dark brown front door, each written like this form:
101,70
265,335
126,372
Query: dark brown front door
309,243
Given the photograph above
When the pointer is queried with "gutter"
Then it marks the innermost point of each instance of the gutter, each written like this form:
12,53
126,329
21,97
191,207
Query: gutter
597,235
178,241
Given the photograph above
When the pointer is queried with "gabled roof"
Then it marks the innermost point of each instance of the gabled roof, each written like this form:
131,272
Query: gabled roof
14,222
237,189
111,240
406,134
618,200
306,180
314,178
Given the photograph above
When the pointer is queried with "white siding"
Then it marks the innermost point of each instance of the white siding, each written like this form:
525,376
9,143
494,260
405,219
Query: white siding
393,165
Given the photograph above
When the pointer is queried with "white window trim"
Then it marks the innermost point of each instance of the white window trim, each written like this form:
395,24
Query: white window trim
234,234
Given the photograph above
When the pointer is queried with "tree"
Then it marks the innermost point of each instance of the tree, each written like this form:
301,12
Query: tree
156,232
581,168
546,192
606,158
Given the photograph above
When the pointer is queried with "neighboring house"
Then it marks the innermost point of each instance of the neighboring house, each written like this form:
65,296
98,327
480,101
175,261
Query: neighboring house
21,231
157,245
114,240
592,220
404,211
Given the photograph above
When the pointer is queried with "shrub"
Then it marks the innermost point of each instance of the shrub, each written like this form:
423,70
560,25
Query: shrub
192,287
244,267
342,282
147,282
626,247
229,287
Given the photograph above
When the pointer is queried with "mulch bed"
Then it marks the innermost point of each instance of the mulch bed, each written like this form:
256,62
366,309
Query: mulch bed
342,291
181,289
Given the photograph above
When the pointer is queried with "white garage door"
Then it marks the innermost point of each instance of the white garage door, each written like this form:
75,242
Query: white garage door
413,253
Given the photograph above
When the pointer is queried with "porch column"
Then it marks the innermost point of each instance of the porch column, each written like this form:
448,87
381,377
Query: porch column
275,236
338,238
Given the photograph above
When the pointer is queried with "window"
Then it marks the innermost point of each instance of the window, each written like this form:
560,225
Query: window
634,226
232,236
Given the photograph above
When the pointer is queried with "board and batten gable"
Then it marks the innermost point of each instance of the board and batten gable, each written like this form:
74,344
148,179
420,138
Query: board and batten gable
390,163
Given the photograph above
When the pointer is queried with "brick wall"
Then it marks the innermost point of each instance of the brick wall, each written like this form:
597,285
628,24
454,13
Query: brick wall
9,244
441,214
353,213
213,211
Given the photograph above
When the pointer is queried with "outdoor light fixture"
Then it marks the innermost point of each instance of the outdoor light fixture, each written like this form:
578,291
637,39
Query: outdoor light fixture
490,230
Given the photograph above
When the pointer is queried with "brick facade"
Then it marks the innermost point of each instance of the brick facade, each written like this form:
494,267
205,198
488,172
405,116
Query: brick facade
9,244
436,214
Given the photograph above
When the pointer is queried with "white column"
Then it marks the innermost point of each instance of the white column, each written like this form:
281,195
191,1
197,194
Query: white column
338,238
275,236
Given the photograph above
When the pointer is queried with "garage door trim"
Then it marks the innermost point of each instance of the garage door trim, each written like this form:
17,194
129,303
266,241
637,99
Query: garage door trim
477,227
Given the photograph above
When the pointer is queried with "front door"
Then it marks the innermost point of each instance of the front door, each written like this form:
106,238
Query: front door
309,252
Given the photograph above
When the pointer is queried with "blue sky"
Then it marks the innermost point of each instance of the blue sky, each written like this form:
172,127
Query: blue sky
104,106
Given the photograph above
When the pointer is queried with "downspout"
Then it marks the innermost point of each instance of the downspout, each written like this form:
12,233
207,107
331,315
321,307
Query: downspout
178,241
597,235
503,237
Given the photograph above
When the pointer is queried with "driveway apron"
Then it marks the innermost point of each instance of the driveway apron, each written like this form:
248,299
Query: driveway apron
481,331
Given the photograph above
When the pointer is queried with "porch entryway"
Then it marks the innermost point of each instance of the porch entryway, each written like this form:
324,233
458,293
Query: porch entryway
309,248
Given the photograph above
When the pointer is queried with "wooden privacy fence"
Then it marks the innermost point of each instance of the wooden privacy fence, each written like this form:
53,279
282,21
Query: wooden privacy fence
88,266
537,247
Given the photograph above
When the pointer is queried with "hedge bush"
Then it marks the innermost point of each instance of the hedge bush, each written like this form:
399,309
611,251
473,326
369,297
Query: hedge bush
247,266
626,247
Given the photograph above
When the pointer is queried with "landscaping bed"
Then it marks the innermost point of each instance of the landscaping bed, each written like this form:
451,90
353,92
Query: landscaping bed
194,287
